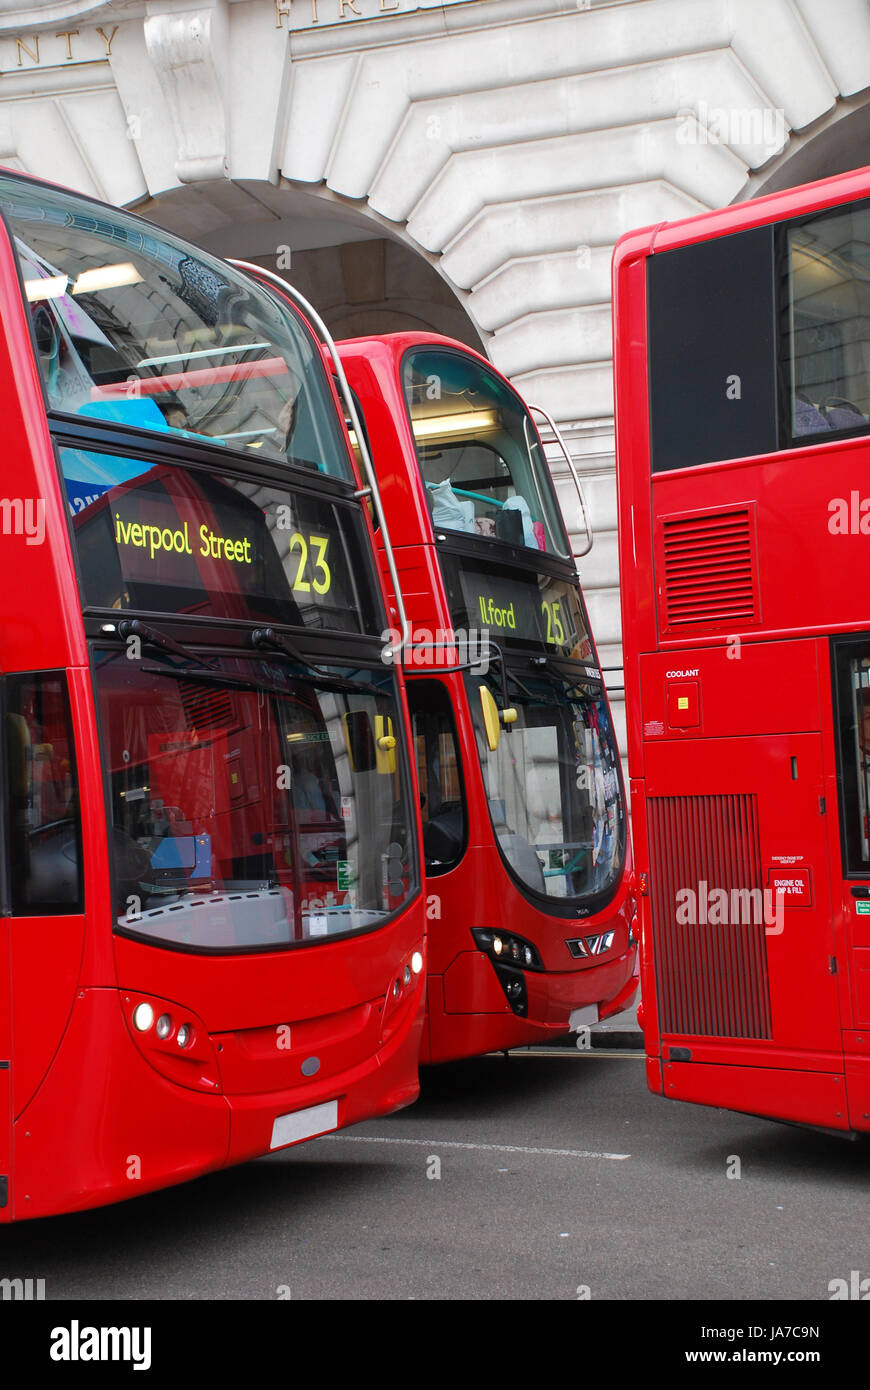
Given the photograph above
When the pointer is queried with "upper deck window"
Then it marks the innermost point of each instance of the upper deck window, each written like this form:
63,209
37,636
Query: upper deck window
134,326
827,323
712,360
479,452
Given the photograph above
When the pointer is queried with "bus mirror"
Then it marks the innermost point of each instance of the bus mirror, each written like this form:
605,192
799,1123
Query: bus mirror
490,718
508,716
386,743
360,741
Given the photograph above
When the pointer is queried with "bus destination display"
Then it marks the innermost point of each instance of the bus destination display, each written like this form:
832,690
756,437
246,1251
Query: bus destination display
164,539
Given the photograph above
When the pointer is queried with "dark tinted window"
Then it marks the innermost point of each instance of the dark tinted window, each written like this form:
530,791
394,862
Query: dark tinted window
44,825
852,675
442,799
711,350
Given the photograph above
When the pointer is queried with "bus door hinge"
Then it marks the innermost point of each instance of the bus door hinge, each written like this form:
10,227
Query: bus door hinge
832,969
821,805
4,1189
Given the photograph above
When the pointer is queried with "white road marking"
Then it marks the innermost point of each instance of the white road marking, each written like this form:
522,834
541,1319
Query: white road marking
434,1144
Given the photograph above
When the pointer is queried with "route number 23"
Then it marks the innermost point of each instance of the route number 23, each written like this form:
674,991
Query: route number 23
313,547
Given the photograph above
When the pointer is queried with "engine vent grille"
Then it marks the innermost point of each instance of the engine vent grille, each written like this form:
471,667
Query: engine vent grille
709,569
711,978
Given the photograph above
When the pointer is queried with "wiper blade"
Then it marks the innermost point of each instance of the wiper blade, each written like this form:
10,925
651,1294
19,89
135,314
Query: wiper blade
132,627
217,677
267,637
208,675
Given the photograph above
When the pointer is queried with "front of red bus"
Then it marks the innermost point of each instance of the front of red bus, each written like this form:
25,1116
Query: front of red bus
220,808
524,825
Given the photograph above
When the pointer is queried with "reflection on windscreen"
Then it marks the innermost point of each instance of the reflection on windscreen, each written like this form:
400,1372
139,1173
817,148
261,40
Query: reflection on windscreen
479,453
134,326
250,818
553,791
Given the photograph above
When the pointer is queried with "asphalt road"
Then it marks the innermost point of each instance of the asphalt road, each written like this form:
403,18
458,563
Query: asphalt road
558,1174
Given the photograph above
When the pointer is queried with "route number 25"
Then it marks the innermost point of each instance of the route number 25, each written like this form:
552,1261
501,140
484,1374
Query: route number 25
555,631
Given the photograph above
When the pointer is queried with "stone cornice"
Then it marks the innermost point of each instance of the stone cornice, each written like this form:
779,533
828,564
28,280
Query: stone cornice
33,19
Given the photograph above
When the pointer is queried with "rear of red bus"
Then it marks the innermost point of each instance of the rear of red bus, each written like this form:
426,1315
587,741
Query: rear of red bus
524,827
212,921
742,403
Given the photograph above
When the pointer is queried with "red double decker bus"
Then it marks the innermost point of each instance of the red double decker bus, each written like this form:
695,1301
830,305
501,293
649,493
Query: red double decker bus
212,927
742,346
524,828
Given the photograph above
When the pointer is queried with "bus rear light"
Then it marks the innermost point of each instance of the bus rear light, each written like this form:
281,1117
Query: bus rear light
183,1053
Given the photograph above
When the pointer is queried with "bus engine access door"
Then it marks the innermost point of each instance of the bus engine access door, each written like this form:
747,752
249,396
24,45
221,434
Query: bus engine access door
740,892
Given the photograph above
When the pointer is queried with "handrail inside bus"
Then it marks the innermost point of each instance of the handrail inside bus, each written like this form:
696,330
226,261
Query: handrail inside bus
463,492
394,650
539,410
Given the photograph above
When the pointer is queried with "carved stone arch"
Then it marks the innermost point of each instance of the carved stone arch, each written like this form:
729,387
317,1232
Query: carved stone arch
362,275
837,143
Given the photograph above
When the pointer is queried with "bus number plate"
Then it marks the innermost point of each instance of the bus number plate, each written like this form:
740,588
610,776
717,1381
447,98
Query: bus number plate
304,1124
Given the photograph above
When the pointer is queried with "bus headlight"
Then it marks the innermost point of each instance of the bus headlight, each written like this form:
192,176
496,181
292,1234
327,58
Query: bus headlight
507,946
143,1017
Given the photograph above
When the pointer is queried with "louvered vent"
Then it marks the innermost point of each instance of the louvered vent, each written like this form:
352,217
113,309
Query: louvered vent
207,708
711,977
709,569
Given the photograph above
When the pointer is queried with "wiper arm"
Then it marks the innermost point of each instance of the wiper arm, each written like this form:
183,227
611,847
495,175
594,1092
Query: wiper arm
268,637
132,627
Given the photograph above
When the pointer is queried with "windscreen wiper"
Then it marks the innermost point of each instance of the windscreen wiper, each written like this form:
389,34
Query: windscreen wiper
268,637
132,627
208,675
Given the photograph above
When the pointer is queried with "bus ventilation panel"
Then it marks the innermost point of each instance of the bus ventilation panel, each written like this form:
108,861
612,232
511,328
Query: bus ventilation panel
711,978
709,567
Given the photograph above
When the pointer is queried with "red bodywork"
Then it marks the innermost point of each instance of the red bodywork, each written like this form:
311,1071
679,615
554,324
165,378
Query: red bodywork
713,719
89,1112
467,1013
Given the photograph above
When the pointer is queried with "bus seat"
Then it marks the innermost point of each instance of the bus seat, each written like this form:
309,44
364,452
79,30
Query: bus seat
842,414
808,419
450,511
